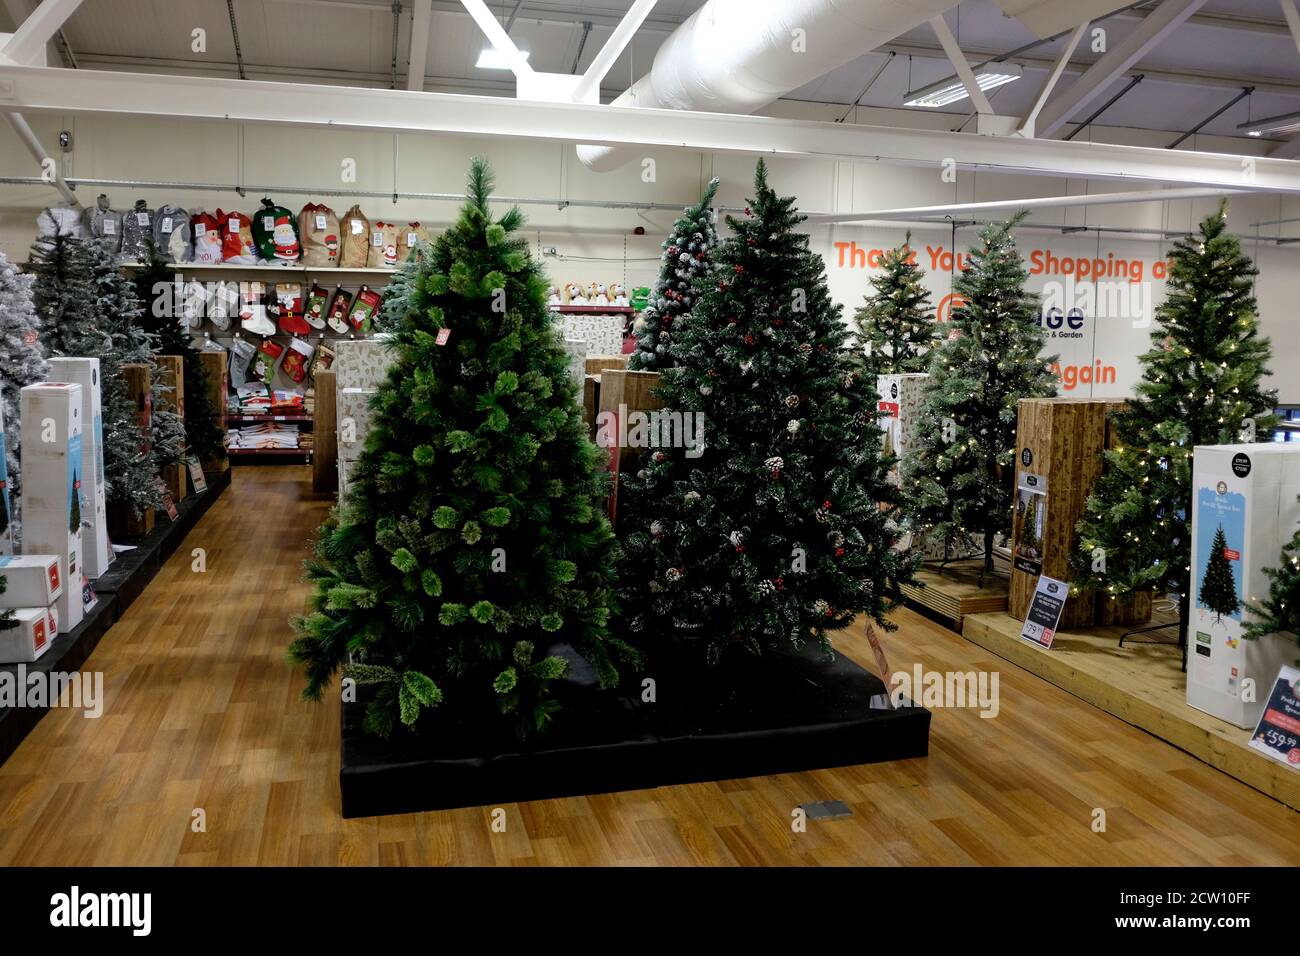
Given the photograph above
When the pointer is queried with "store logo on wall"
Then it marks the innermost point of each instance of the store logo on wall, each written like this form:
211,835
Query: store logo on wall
1068,299
943,312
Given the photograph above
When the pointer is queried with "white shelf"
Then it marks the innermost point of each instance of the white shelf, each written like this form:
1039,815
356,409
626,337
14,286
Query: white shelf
278,270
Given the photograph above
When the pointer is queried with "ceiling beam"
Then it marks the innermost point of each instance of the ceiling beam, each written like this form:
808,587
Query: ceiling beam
1291,147
958,60
589,85
1163,20
29,40
1027,125
497,36
305,105
418,62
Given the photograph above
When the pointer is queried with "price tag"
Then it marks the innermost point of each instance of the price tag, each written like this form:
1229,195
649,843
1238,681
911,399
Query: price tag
412,238
443,336
233,226
377,239
1278,732
167,224
268,223
358,228
142,218
321,221
200,230
110,227
1045,611
197,477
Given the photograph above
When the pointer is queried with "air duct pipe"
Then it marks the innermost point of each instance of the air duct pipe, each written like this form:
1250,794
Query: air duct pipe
737,56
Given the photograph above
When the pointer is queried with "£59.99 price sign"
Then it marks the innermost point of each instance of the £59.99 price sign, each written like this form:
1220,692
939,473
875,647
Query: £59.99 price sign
1278,731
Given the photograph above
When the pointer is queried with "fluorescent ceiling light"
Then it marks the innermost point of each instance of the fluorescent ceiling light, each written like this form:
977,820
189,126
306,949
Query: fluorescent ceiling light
1286,123
493,59
950,90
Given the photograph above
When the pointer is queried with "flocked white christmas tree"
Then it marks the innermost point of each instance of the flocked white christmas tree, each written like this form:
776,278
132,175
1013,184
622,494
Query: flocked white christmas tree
22,363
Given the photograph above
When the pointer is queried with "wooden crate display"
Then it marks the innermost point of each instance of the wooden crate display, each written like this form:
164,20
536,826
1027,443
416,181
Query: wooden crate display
171,369
621,394
325,453
218,375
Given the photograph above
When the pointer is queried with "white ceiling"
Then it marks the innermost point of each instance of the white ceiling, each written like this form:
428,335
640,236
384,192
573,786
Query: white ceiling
1201,66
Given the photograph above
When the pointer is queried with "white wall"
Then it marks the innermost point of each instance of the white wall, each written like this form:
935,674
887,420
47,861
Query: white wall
598,244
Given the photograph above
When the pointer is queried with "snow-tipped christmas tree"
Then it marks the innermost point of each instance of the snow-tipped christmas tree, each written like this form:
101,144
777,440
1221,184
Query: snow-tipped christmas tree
22,363
471,539
687,255
774,535
1201,382
1218,586
958,482
393,308
160,318
895,326
1279,611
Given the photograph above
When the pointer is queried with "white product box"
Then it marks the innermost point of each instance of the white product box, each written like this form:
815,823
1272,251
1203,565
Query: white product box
6,499
602,333
361,363
94,517
36,630
346,469
354,417
52,461
31,580
899,407
577,349
1248,494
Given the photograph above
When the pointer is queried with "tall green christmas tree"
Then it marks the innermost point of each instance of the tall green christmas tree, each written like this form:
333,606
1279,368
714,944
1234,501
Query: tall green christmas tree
960,479
1201,381
895,326
471,539
22,363
1029,525
160,318
1218,586
687,256
774,535
1279,612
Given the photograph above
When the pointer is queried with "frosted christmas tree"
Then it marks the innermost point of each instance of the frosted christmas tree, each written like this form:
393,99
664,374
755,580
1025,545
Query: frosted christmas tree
22,363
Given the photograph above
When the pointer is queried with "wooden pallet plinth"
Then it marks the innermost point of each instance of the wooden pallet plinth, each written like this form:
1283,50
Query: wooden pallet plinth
955,592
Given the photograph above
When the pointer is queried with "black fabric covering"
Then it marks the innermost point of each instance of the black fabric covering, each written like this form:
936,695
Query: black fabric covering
746,716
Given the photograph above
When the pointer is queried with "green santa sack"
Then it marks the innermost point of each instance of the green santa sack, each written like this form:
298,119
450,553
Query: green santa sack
275,233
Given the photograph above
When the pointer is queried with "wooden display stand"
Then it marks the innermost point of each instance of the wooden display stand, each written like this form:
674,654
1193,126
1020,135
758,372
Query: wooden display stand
621,393
1059,446
218,373
590,403
325,454
122,521
955,592
171,369
598,363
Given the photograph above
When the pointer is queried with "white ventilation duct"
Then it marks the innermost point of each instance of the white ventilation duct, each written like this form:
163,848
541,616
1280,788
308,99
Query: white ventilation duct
736,56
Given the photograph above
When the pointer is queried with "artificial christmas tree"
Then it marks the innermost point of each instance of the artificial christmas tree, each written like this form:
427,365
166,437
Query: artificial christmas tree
777,531
1200,385
1279,611
895,326
1218,587
22,363
160,317
959,480
687,256
470,540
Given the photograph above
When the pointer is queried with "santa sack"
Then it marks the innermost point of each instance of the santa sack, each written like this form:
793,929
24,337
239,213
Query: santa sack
137,232
104,224
318,231
207,238
275,233
171,233
383,246
408,237
237,238
355,243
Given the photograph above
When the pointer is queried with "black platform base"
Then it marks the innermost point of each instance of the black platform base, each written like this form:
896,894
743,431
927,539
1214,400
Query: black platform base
756,716
115,590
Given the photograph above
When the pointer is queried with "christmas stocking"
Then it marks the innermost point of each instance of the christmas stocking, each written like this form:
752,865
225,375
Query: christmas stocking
268,353
295,362
223,304
252,310
338,317
363,309
317,301
288,308
241,354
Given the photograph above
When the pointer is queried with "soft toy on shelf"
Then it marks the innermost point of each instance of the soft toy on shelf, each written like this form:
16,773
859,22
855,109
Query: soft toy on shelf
553,295
618,294
594,296
573,294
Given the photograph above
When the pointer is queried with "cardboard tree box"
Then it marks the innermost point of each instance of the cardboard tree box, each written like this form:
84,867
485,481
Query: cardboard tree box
123,522
31,580
899,407
171,368
1060,443
6,499
361,363
325,453
595,364
346,469
354,420
577,349
52,462
35,633
218,375
1244,509
623,394
94,516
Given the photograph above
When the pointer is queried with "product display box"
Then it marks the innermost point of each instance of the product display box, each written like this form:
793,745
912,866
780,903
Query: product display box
31,580
36,630
898,408
346,468
602,333
6,499
52,477
1244,510
361,363
355,416
577,349
94,518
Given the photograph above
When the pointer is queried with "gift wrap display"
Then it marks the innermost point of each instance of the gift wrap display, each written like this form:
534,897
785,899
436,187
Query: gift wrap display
1244,509
361,363
98,549
577,350
354,418
52,472
602,333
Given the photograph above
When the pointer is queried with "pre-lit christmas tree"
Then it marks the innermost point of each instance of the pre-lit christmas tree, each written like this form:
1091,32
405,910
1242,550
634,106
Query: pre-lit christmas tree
1218,586
687,256
774,536
959,482
22,363
1201,382
895,326
160,318
1279,612
471,539
1029,526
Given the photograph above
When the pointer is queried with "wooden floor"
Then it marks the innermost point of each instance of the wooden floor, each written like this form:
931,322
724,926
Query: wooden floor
202,713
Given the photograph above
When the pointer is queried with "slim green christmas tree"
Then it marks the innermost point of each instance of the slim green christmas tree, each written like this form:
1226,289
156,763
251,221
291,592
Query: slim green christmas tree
1219,587
895,326
687,256
74,522
1029,525
1279,612
471,538
1201,381
960,478
774,535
